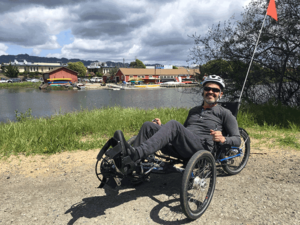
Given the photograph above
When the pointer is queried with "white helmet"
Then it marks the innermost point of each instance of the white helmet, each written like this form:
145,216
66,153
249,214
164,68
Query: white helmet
215,79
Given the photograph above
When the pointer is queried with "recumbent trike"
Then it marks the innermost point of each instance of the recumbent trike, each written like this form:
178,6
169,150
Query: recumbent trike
199,172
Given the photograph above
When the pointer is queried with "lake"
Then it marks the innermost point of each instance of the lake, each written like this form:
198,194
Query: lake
46,103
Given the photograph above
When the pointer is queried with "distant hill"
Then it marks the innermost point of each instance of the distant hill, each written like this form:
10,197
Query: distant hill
28,58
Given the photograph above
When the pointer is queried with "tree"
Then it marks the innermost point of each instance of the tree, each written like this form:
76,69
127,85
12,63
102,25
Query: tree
277,59
78,67
112,72
99,74
175,67
10,70
218,66
137,64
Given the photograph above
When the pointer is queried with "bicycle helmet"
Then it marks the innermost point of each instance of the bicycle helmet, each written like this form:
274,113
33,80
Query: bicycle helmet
215,79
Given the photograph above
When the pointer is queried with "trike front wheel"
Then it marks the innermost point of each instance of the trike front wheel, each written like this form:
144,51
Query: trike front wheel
198,184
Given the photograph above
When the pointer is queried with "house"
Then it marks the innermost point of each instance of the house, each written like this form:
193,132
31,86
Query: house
101,67
152,75
61,72
34,67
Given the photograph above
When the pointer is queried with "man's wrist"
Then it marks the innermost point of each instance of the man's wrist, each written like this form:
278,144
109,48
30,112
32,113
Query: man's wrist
225,141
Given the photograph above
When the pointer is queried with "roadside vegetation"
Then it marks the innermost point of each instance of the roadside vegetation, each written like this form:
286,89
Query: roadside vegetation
274,126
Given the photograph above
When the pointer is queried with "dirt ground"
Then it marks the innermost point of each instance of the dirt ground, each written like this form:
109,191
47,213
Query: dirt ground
62,189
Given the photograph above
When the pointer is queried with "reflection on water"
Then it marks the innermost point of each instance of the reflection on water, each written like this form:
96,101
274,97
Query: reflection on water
46,103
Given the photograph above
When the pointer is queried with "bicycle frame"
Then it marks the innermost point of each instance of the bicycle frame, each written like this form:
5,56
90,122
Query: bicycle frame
218,160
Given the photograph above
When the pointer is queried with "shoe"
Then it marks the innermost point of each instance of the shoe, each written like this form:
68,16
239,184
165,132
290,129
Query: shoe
127,149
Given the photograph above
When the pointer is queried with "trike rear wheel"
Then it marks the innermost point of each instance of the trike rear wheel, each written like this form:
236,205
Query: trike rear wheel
198,184
235,165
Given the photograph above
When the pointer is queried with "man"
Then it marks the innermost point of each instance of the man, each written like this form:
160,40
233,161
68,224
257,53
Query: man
203,126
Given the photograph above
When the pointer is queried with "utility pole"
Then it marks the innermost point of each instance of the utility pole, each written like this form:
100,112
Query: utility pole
123,62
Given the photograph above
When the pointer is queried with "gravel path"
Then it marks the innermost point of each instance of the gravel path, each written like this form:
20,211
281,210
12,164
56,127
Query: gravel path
62,189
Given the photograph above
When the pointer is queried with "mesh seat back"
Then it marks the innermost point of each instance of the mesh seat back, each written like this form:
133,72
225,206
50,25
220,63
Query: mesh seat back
232,106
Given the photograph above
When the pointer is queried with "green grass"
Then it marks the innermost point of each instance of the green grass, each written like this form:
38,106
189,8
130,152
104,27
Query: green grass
20,85
269,116
91,129
31,85
66,132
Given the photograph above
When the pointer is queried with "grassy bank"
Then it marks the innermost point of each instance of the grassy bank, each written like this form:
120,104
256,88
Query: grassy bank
91,129
32,85
20,85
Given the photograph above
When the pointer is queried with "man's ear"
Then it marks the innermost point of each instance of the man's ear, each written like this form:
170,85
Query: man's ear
221,94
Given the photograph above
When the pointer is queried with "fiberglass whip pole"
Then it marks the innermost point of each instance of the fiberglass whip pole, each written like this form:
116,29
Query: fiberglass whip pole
252,57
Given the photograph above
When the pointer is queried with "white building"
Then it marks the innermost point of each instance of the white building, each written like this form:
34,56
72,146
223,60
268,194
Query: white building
101,67
34,67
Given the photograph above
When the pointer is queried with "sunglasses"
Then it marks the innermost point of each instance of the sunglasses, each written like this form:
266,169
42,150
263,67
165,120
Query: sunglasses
213,89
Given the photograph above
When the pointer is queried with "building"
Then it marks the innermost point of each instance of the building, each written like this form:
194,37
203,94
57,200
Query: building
35,67
61,72
152,75
101,67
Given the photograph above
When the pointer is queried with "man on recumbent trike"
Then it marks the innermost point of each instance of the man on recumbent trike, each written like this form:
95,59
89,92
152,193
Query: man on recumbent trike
203,126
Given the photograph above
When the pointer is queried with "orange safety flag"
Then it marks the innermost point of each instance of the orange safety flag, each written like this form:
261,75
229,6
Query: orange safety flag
271,11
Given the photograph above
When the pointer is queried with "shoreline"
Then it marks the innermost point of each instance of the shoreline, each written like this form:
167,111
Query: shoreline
90,86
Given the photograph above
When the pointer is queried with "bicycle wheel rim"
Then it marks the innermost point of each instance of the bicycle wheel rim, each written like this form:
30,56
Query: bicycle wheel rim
200,186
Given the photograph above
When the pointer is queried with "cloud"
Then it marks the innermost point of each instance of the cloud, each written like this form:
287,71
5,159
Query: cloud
152,30
17,5
32,27
3,49
36,51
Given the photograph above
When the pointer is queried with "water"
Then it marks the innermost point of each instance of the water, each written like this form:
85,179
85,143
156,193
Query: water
47,103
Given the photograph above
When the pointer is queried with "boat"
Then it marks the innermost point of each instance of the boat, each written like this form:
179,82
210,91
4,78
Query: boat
170,83
147,86
59,82
56,79
80,86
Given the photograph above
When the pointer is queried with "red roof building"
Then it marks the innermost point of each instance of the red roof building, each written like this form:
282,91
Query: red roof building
152,75
61,72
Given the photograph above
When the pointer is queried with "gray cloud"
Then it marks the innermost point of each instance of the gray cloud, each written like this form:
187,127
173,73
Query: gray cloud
107,19
15,5
152,30
25,37
98,30
106,29
158,40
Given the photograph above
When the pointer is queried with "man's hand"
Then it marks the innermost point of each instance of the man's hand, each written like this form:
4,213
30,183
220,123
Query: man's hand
157,121
217,136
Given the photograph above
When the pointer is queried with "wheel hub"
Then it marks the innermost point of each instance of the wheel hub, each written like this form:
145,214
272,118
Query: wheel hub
199,183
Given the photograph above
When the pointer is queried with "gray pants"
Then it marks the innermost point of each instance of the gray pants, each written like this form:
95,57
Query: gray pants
153,137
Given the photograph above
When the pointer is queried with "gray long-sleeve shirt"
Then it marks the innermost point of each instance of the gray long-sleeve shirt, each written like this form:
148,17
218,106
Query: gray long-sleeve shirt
200,121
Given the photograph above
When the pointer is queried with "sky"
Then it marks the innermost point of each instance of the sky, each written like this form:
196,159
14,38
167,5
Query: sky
154,31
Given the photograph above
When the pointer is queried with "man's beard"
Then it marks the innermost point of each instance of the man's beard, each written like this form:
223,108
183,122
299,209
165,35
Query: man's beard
210,102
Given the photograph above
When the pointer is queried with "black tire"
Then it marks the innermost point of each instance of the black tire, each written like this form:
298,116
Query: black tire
236,165
203,168
98,167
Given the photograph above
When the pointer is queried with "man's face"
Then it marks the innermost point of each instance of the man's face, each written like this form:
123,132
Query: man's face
211,96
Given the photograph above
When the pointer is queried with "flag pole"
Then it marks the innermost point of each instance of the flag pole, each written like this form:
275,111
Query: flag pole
252,56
